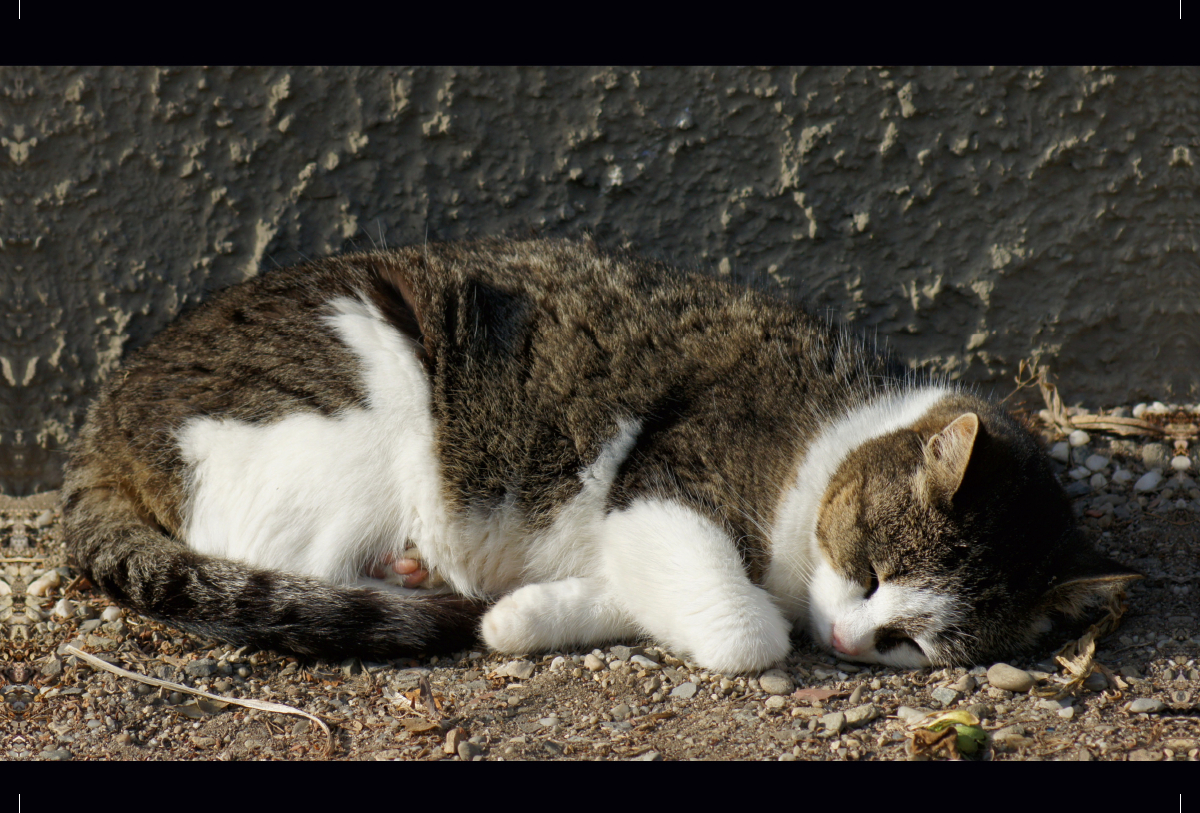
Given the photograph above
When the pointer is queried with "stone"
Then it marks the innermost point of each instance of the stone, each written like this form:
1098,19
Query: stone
945,695
649,756
1146,705
454,737
908,714
1154,455
1078,438
1096,462
856,696
1009,678
982,710
835,722
468,750
623,653
1067,713
1080,472
1181,463
551,722
1097,481
1142,755
1095,682
42,585
64,609
521,670
1148,481
1121,476
684,691
111,614
776,681
1078,489
966,684
775,702
204,667
59,755
645,663
593,663
1061,452
558,664
860,715
622,712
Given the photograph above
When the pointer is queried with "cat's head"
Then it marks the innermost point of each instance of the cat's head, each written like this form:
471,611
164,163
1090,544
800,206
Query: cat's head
950,542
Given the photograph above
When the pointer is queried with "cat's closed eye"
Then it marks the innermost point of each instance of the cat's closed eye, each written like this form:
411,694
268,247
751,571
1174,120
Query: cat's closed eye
872,583
887,639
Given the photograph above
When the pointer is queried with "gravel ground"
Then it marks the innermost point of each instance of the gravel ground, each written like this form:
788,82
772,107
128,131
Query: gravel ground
623,702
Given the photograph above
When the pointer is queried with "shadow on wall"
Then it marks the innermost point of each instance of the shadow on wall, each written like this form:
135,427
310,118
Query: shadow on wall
971,217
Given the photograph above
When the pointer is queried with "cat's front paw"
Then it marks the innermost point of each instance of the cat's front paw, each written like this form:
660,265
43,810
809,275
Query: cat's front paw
512,624
741,635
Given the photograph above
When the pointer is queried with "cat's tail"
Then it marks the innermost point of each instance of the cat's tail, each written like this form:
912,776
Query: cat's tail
139,566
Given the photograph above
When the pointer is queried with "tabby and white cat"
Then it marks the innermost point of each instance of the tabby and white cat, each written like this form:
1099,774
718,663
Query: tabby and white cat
610,448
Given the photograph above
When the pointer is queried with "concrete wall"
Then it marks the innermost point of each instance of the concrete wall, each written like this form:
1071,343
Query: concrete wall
972,217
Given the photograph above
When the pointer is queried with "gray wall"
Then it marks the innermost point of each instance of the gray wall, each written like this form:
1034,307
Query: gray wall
971,217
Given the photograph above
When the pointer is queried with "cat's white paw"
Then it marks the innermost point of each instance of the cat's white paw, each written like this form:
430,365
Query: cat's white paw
740,634
512,625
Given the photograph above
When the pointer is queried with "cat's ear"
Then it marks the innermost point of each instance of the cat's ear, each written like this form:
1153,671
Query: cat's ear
946,457
1091,580
393,294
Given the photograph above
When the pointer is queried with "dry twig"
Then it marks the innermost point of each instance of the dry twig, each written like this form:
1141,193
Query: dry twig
261,705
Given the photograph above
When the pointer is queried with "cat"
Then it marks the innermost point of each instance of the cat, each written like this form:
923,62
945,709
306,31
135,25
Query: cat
582,447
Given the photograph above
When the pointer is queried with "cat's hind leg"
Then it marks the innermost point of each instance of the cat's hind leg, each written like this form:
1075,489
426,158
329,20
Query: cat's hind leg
681,578
556,615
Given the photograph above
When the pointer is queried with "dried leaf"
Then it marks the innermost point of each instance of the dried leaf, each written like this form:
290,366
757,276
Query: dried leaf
197,708
936,721
818,694
930,743
419,726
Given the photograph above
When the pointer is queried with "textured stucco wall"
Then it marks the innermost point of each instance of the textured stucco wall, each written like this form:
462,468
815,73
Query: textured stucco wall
973,217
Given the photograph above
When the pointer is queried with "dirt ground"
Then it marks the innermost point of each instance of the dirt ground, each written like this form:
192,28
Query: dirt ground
623,702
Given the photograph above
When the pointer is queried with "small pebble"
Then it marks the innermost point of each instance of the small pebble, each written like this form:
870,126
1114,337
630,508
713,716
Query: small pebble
1098,481
1148,481
860,715
521,670
776,702
1067,713
1096,462
111,614
1061,452
1139,410
643,662
1121,476
622,653
623,712
1096,682
649,756
907,713
43,584
468,750
835,722
776,681
1181,463
204,667
1078,438
454,738
966,684
684,691
558,664
856,696
1154,455
1009,678
1146,705
64,609
1080,473
593,663
945,695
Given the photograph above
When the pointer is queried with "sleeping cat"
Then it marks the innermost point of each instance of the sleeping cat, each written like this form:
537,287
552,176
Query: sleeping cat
603,447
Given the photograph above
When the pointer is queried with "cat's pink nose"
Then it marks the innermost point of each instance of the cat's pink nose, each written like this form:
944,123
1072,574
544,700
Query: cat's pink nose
839,644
